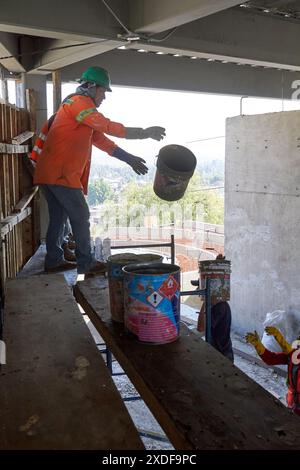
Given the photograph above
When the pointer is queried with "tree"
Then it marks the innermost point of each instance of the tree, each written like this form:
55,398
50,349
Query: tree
210,201
99,191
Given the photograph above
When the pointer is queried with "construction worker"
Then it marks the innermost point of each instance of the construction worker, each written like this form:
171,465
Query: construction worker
220,323
63,169
290,356
34,156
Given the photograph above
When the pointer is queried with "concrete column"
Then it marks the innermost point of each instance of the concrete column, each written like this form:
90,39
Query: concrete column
262,224
39,84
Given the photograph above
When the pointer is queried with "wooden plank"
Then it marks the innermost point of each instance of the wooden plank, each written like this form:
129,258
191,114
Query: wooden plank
1,166
9,222
26,199
12,148
6,185
26,240
56,392
23,137
200,399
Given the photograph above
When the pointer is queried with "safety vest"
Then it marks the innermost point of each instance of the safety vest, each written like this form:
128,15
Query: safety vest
66,153
293,378
293,382
39,143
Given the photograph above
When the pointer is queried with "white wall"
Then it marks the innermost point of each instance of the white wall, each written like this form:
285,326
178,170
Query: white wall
262,215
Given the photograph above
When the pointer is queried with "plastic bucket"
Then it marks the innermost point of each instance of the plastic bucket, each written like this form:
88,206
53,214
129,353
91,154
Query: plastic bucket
218,271
152,302
115,279
175,166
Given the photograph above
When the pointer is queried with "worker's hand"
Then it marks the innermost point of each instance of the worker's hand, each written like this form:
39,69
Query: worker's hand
253,338
155,133
138,165
272,330
283,343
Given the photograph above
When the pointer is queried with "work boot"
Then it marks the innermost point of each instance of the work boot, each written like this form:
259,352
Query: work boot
71,242
69,255
97,268
63,266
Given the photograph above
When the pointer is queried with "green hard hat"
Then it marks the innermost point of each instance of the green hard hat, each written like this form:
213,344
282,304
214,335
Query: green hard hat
98,75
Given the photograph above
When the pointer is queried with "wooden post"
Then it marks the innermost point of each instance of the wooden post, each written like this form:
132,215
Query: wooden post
3,84
56,79
31,108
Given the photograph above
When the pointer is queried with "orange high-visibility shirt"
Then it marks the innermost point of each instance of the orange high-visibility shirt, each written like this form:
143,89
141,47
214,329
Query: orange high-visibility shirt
66,154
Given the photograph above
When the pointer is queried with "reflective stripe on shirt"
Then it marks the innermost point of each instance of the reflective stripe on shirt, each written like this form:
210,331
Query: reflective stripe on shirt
84,113
68,101
37,149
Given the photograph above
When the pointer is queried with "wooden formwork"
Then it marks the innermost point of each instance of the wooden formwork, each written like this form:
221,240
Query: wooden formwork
19,237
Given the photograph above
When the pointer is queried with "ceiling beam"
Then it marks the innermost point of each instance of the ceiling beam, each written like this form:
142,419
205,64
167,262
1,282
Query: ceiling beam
9,48
67,19
236,36
130,68
155,16
59,54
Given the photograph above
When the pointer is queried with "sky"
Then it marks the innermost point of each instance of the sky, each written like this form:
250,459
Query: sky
187,117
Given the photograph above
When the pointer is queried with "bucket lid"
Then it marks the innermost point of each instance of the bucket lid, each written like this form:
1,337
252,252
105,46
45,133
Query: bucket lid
122,258
126,258
155,269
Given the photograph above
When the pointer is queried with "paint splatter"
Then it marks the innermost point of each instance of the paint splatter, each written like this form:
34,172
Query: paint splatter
30,422
81,365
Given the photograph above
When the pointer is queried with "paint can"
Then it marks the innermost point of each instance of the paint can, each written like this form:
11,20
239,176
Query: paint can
175,166
115,278
152,302
218,271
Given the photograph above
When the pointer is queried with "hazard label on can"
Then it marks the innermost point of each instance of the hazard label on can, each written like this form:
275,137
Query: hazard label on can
154,299
169,287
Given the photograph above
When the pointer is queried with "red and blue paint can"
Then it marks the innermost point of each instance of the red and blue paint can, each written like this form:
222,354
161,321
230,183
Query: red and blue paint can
115,278
152,302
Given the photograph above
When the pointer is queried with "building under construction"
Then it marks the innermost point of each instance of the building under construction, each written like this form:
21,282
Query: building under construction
60,349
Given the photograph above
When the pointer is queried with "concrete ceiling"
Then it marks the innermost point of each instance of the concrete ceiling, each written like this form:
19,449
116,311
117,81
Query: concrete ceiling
258,34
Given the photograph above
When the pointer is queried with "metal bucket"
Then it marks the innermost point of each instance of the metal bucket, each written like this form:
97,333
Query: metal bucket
152,302
218,271
115,278
175,166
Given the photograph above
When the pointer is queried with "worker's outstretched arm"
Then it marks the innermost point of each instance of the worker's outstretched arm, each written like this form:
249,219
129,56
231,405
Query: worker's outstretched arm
285,346
154,132
105,144
136,163
254,339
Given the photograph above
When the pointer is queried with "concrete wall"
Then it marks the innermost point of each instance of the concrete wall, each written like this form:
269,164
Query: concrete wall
262,215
